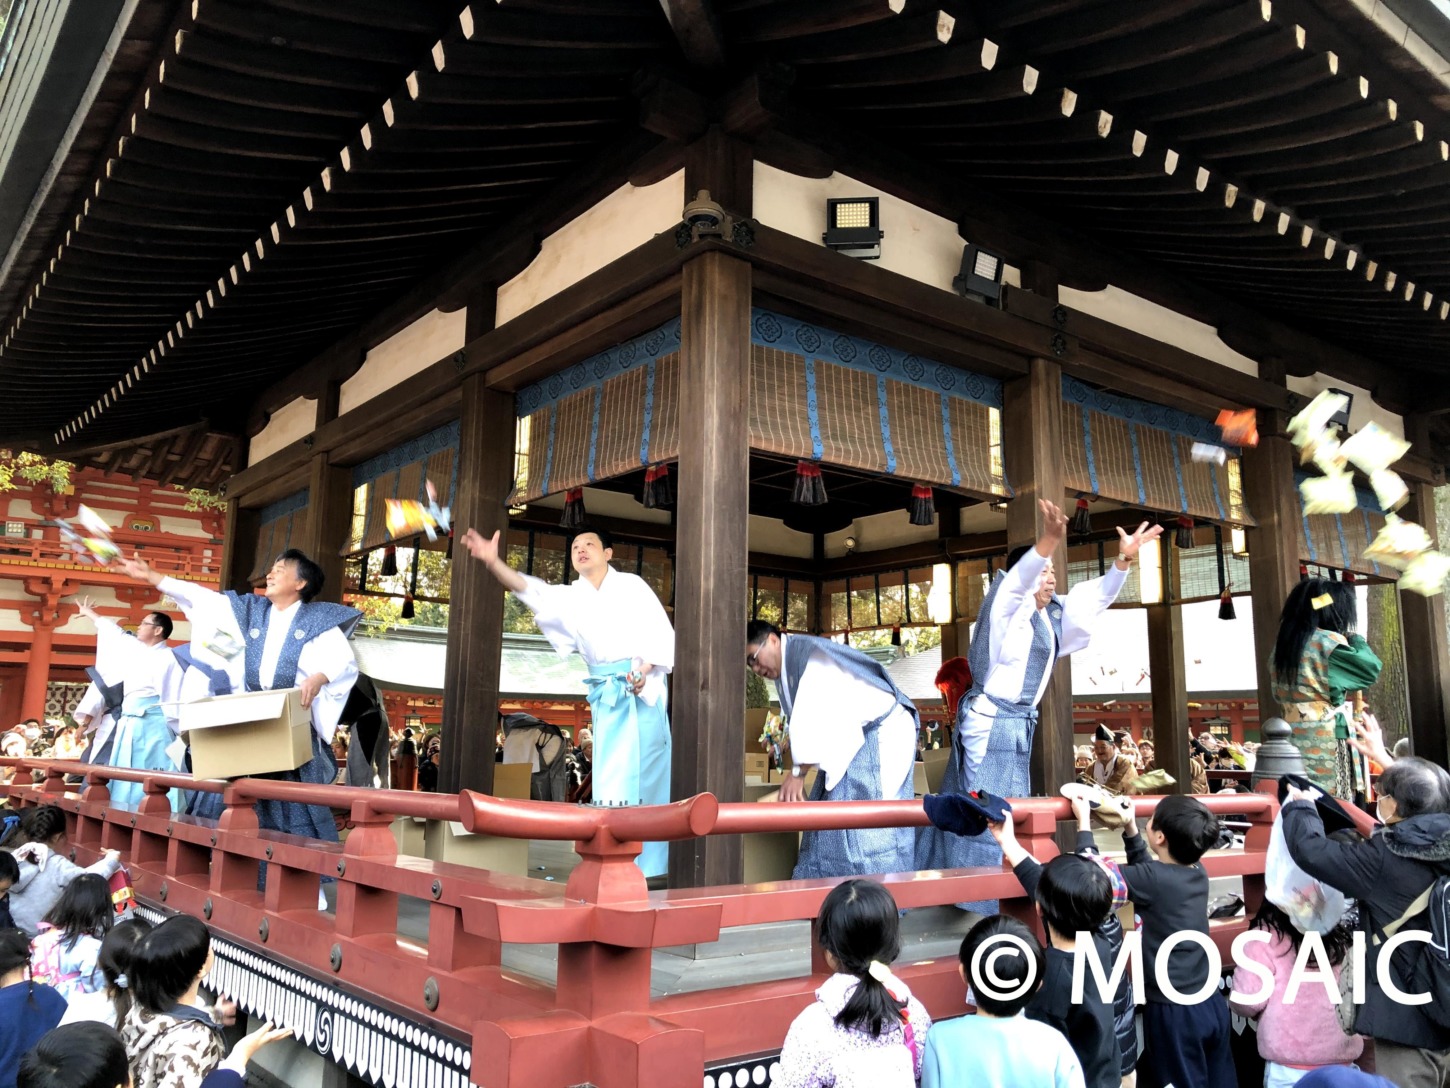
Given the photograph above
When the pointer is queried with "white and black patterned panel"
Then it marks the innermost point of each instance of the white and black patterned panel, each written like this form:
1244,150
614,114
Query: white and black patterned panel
744,1072
377,1045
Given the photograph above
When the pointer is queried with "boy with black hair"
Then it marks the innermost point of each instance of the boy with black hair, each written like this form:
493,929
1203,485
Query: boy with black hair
1184,1044
1002,965
1074,895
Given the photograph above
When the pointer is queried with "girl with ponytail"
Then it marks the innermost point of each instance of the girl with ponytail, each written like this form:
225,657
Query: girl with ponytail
864,1030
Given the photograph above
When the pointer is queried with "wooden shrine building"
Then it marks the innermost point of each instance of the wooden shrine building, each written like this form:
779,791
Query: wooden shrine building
524,247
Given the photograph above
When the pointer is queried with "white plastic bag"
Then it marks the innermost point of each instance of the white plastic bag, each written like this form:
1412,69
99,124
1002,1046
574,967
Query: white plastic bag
1310,904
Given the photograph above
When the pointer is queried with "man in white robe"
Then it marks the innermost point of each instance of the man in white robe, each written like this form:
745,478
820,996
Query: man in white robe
284,639
614,621
1023,628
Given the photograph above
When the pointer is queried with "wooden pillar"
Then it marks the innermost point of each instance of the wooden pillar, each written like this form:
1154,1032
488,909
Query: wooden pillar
1032,449
711,544
475,630
37,667
1170,691
1273,500
1423,621
329,521
239,544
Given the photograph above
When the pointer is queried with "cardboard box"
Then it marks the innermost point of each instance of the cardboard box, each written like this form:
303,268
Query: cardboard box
248,733
754,726
756,766
936,760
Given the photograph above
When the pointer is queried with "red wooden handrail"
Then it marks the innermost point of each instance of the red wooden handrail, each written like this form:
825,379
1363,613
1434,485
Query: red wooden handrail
598,1023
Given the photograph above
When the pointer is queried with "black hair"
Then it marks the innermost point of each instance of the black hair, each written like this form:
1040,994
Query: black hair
9,867
860,924
606,539
167,961
1187,825
117,952
83,910
308,572
1015,957
1016,554
1336,942
1417,786
1300,619
80,1055
1074,895
757,631
39,824
163,621
14,950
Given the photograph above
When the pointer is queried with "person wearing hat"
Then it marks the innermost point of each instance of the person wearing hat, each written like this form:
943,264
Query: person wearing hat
1387,875
1022,630
1110,768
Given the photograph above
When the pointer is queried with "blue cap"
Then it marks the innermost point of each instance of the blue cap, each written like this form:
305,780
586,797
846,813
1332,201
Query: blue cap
1342,1076
965,813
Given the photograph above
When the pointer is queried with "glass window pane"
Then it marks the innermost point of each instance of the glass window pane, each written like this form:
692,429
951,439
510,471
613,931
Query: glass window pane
800,610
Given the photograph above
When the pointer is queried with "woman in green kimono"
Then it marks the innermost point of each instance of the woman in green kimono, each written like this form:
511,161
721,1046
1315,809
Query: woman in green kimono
1317,662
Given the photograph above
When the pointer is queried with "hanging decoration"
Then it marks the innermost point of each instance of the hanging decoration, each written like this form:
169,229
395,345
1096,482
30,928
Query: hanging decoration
573,516
810,489
408,612
1225,597
1183,534
1082,520
896,635
390,562
922,508
659,488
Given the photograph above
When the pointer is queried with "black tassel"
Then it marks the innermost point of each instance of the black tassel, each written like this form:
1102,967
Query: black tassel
896,636
810,489
390,562
407,612
922,508
659,488
448,552
1183,535
1226,605
1225,598
1082,519
573,516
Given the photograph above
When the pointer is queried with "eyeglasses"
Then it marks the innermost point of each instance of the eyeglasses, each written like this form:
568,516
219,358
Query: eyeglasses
750,660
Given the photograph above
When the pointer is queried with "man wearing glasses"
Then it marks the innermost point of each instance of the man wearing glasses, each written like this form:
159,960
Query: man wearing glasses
850,721
149,677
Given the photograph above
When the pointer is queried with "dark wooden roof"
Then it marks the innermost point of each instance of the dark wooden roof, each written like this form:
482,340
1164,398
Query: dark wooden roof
288,167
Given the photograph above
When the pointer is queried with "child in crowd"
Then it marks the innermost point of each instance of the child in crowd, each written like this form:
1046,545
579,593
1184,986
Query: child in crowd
90,1055
864,1030
64,955
1002,965
1293,1038
174,1040
1073,895
9,874
27,1009
1183,1044
38,841
112,1001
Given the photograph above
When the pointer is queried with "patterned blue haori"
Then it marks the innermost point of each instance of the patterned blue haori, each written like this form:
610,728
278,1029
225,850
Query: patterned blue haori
855,851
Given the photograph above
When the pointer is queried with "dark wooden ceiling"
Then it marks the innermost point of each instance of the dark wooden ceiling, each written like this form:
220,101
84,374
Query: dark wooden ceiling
288,167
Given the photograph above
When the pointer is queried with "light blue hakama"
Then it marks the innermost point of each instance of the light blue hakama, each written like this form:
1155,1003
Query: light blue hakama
139,743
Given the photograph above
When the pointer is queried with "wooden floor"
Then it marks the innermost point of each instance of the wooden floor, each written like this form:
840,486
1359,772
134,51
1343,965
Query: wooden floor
744,954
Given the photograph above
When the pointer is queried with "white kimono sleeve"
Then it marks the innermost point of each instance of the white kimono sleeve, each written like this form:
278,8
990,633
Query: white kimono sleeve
1083,606
1018,583
91,706
208,612
826,718
330,654
650,625
550,606
117,653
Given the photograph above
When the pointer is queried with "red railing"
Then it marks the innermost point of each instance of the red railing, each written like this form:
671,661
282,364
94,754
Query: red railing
194,561
599,1023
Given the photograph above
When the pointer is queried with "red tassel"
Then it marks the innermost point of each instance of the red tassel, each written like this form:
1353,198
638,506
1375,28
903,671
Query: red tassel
810,489
896,636
1082,519
573,516
1349,577
1183,535
390,562
1303,570
922,508
1226,605
659,489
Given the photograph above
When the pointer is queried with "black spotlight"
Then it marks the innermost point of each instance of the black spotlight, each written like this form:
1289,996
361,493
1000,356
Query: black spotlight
981,276
853,227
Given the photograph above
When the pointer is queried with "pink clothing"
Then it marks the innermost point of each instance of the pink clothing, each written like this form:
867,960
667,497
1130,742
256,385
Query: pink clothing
1304,1034
818,1054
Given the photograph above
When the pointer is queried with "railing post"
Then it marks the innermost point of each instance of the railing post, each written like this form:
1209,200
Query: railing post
362,910
233,873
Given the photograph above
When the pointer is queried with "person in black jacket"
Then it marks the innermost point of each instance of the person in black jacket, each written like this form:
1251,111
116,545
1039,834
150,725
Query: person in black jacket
1385,874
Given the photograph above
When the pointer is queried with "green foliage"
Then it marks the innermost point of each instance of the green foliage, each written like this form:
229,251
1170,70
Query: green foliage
19,469
199,498
757,695
914,640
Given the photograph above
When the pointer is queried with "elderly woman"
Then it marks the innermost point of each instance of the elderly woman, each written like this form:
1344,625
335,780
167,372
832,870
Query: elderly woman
1386,874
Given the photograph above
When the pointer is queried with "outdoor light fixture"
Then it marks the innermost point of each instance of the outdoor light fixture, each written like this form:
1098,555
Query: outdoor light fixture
1150,573
853,227
850,543
1238,541
981,276
1341,419
413,720
939,600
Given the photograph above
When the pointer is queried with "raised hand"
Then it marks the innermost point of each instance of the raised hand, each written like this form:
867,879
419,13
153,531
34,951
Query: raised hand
248,1046
481,547
1054,522
1128,544
1369,740
138,569
83,606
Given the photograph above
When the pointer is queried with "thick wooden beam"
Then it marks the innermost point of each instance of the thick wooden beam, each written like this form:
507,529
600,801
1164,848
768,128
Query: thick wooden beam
710,573
725,166
475,633
1424,624
1031,424
329,521
1170,691
697,29
1268,476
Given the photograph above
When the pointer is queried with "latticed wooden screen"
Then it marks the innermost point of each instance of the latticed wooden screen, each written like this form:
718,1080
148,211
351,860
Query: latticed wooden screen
283,523
402,472
1338,541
